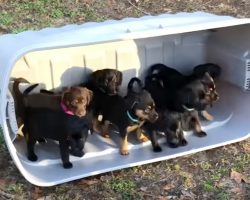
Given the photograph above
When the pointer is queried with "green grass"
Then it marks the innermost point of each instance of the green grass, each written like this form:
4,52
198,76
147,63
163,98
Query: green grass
5,18
126,189
17,188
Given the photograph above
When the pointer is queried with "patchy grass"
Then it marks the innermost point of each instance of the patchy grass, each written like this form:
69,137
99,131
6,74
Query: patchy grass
16,189
125,189
205,175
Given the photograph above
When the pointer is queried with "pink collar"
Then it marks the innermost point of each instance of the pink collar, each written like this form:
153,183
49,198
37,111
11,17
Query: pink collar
65,109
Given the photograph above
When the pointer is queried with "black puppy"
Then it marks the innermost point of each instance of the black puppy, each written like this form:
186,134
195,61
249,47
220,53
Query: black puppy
128,113
69,125
105,82
184,94
169,120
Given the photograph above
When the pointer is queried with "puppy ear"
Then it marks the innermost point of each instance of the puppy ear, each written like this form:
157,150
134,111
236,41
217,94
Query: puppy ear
135,85
206,78
119,77
89,96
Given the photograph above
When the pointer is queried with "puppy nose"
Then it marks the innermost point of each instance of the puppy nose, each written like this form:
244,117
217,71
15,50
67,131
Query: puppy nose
156,115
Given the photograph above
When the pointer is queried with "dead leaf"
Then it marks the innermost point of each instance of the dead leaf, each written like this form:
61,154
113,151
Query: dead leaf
236,190
188,194
246,147
36,193
238,177
169,186
162,198
144,189
88,182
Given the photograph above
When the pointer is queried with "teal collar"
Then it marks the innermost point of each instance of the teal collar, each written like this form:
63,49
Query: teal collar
131,118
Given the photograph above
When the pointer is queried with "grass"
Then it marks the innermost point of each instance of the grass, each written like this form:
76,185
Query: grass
17,188
126,189
43,13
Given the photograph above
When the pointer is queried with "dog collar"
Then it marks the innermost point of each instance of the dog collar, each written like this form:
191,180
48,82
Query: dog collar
65,109
188,109
131,118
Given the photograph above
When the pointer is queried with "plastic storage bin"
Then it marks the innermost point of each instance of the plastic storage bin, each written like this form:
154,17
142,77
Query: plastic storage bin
63,56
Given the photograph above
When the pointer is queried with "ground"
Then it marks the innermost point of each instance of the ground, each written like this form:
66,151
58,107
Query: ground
221,173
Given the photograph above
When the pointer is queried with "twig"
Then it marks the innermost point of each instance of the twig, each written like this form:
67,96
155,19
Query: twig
136,7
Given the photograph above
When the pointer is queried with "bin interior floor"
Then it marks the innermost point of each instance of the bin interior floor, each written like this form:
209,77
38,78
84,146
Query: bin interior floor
102,155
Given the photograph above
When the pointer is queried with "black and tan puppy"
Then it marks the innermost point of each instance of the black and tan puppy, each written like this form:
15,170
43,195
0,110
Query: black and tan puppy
214,71
169,120
173,80
69,125
184,94
128,113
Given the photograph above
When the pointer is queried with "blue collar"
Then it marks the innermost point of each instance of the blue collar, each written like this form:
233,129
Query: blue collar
131,118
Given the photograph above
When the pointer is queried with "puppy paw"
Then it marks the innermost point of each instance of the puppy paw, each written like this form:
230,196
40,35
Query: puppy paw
32,157
157,149
77,153
183,142
207,116
201,134
41,140
124,152
105,135
143,139
67,165
173,145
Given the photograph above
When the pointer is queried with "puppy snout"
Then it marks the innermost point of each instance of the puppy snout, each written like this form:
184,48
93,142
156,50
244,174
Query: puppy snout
155,116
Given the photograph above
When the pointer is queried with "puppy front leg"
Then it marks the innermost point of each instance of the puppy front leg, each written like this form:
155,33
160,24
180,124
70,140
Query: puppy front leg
140,135
207,116
64,149
196,126
180,134
30,147
124,141
154,140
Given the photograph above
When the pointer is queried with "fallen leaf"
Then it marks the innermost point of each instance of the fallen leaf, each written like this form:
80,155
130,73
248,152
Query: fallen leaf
188,194
238,177
162,198
236,190
246,147
36,193
144,189
88,182
169,186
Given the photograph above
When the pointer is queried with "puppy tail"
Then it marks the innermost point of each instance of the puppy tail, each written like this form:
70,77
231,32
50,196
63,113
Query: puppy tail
135,85
29,89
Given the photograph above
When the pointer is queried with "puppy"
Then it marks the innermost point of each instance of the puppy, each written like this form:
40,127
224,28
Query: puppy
184,94
173,79
128,113
214,71
69,125
168,122
106,81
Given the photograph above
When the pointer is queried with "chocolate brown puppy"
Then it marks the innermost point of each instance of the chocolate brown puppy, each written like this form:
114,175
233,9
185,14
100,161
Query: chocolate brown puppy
69,125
